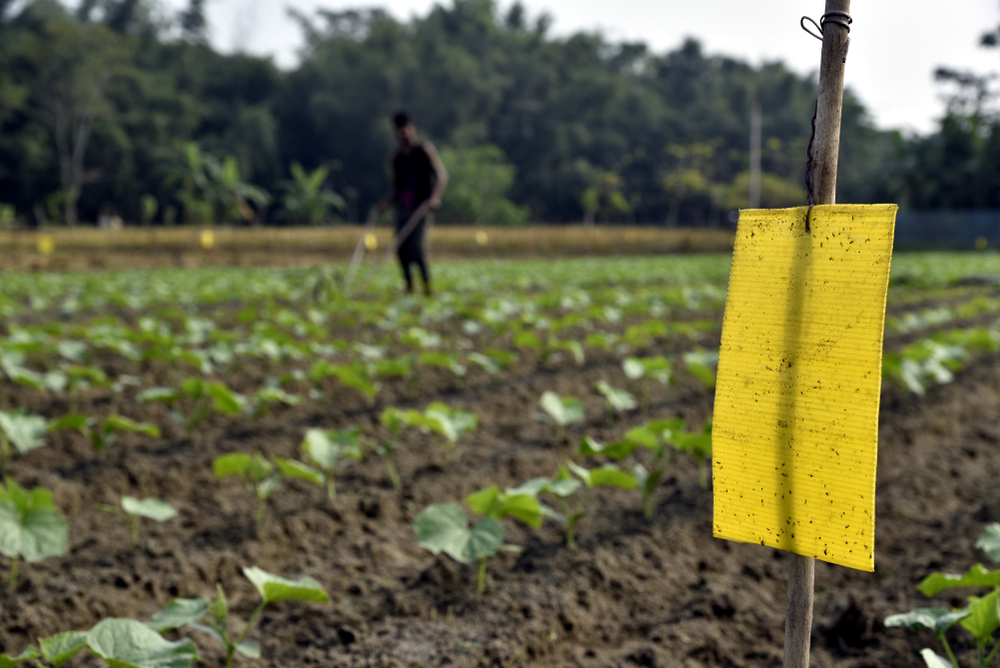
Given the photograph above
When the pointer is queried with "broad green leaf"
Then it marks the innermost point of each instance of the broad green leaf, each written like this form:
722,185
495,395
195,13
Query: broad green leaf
937,620
702,365
647,482
633,368
485,501
115,423
533,487
235,463
523,507
325,448
619,450
605,476
294,469
60,648
154,509
268,485
249,649
25,432
984,616
392,418
6,661
30,529
977,576
487,363
989,542
453,422
443,360
275,395
73,421
933,660
273,588
225,400
132,644
564,410
179,612
445,528
164,394
619,400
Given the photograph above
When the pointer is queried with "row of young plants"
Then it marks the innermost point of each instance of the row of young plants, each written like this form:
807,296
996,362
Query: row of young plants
446,528
128,643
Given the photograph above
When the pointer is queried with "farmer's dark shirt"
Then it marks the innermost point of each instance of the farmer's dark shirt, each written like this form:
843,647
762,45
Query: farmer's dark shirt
413,176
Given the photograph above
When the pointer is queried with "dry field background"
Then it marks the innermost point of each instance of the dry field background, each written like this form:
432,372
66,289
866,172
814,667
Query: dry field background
89,248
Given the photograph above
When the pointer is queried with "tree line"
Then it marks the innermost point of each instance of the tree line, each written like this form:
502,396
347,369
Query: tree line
115,108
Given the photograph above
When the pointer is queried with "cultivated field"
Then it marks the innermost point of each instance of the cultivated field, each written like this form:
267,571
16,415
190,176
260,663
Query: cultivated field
211,362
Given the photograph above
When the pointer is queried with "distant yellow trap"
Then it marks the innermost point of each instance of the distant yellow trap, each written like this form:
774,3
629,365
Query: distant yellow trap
795,433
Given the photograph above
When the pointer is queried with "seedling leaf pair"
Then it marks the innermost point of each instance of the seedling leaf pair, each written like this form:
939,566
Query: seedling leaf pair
30,528
325,449
444,527
256,473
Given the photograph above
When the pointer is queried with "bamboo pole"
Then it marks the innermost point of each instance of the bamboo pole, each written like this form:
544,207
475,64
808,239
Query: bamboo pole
822,185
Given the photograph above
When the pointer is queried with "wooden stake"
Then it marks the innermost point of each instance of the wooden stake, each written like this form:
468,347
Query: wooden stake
822,179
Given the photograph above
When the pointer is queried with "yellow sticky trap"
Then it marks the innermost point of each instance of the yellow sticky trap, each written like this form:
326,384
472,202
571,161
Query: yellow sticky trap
795,432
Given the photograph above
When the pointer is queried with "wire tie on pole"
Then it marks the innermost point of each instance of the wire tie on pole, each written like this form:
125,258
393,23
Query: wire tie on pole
838,17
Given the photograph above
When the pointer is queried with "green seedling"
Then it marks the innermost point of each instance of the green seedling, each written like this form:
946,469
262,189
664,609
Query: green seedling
450,423
102,437
522,506
132,644
355,376
122,643
325,450
619,401
444,527
133,509
30,527
981,617
562,410
699,446
647,370
641,336
269,396
421,338
212,618
393,419
257,474
652,436
608,475
702,365
55,651
205,396
447,361
574,348
24,431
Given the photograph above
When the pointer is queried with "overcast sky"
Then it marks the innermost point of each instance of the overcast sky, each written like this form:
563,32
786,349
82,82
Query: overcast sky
896,44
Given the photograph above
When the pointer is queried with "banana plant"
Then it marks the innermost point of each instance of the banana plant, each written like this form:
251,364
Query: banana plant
325,450
30,527
256,473
212,617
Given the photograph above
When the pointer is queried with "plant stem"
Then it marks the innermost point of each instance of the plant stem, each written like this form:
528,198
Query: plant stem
229,654
703,475
4,449
250,622
481,582
391,469
951,655
648,506
261,509
331,488
989,657
12,579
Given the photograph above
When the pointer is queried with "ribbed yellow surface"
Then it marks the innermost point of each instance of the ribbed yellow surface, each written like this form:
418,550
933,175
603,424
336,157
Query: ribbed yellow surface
795,432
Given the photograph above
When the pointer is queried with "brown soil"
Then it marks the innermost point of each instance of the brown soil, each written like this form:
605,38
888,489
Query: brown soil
632,593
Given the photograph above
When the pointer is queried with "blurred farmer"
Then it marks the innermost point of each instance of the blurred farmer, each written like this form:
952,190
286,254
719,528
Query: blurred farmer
418,181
